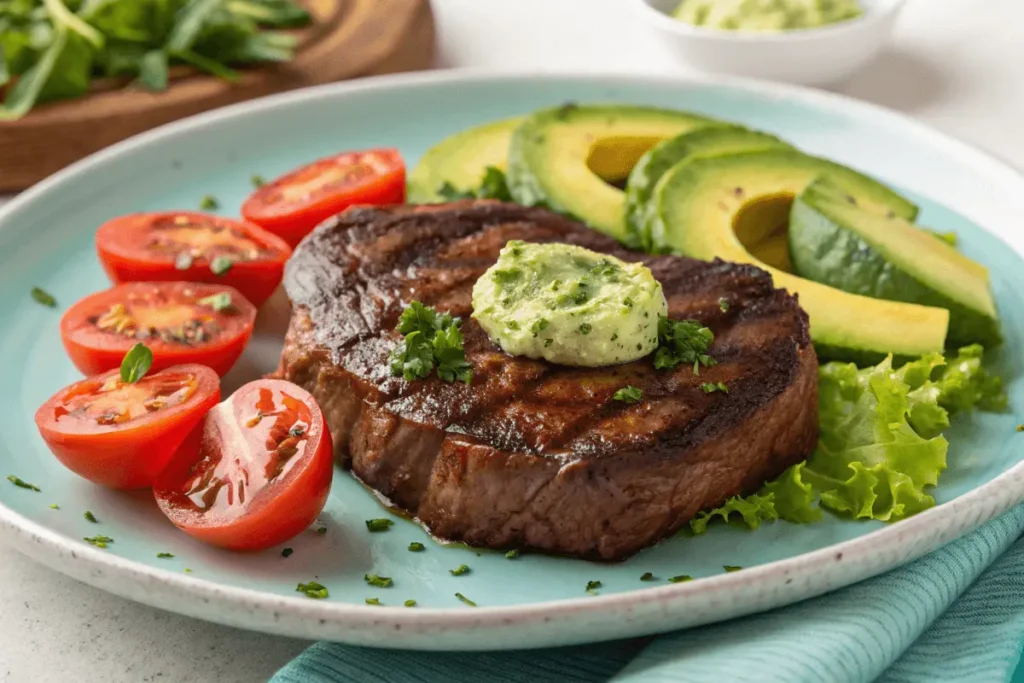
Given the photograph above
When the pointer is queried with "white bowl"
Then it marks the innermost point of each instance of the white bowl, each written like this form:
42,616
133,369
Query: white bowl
817,56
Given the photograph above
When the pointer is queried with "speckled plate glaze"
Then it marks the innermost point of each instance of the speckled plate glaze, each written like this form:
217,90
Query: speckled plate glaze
46,240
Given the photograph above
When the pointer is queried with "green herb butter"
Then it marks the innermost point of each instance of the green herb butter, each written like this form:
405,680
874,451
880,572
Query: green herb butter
569,305
766,16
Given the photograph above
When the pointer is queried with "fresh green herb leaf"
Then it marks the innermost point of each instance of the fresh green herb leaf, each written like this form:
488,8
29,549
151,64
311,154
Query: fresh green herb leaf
512,554
682,578
628,394
682,342
460,570
210,66
287,552
465,600
187,570
183,261
22,484
947,237
416,547
373,601
136,363
257,181
450,356
153,70
21,97
493,185
218,302
430,338
62,16
731,568
165,556
585,328
209,203
377,525
221,264
647,576
414,358
723,305
41,296
450,193
54,506
313,589
99,541
410,603
1020,428
592,586
378,581
89,517
709,387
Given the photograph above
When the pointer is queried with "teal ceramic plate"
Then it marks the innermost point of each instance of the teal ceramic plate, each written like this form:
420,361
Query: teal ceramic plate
46,239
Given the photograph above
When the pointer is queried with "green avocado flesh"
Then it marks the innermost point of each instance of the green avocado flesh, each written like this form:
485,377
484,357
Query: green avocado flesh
664,155
834,242
564,158
724,206
460,160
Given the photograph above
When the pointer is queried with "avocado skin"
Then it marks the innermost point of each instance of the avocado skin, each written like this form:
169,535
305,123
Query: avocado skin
821,249
724,139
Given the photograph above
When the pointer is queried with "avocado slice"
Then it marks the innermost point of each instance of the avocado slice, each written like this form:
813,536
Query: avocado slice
564,158
834,242
711,207
666,154
460,160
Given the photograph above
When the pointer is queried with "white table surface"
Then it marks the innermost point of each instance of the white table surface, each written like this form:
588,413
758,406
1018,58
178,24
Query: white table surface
957,65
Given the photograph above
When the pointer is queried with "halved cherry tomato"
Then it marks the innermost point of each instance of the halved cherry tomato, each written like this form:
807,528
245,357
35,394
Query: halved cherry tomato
197,247
122,435
180,322
256,472
292,205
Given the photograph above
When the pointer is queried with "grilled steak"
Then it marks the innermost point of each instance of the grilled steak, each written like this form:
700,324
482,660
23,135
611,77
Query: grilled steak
530,454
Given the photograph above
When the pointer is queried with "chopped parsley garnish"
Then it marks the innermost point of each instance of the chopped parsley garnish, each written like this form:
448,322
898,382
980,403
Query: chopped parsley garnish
136,363
682,342
257,180
41,296
512,554
287,552
731,568
99,541
723,304
187,570
221,265
460,570
378,581
313,589
647,576
1020,428
89,517
682,578
592,586
54,506
431,339
410,603
377,525
218,302
628,394
165,556
416,547
209,203
709,387
585,328
492,186
183,261
373,601
22,484
466,600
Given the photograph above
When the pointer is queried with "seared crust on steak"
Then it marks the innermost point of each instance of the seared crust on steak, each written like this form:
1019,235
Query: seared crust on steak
531,454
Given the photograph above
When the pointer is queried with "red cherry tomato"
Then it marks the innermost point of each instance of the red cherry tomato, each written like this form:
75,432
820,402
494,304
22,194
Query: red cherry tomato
193,247
254,473
122,435
180,322
292,205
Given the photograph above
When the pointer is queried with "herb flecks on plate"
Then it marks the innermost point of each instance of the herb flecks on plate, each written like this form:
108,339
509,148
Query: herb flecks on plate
462,598
378,581
378,525
313,589
100,541
22,484
460,570
39,295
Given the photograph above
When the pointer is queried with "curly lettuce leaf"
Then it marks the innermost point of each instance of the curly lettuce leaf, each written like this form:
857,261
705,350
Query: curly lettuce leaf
964,384
787,497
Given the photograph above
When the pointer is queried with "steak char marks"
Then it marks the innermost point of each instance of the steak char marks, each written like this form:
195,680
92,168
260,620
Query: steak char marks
530,454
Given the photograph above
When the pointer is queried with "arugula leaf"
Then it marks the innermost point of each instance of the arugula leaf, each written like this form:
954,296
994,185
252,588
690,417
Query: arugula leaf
24,94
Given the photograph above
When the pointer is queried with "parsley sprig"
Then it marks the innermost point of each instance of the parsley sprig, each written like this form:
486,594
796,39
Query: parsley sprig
683,342
431,339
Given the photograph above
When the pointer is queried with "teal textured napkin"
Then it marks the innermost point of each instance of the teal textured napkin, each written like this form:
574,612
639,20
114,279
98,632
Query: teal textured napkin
954,615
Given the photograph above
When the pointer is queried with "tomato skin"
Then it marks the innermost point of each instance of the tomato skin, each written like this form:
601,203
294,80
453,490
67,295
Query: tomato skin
93,351
132,456
283,509
119,244
293,220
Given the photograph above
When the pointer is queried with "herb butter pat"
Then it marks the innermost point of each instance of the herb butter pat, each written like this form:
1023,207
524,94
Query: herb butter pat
569,305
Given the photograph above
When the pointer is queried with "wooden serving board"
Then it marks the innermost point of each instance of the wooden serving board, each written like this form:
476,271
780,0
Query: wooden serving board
348,39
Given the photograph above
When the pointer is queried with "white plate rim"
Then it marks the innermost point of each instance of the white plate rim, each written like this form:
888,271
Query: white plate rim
361,624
